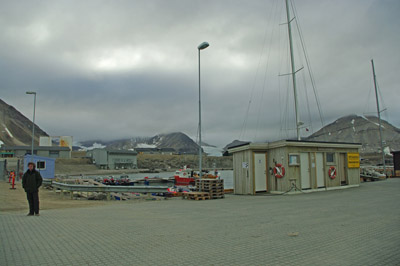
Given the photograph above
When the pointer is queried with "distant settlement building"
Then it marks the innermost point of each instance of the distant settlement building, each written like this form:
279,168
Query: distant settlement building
113,159
52,147
291,165
45,151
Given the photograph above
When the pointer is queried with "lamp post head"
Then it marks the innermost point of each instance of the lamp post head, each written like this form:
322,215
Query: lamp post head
30,92
203,45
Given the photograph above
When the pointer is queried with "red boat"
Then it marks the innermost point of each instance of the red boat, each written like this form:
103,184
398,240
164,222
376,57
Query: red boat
184,177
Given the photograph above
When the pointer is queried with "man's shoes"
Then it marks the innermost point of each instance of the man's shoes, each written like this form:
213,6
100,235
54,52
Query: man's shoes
37,214
29,214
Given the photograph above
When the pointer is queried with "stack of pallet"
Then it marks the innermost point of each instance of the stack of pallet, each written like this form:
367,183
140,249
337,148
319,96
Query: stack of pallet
196,195
215,187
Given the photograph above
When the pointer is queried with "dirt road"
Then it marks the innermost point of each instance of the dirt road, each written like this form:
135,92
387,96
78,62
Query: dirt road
15,200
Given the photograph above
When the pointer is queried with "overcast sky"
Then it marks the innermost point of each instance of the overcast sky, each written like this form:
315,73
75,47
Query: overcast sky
118,69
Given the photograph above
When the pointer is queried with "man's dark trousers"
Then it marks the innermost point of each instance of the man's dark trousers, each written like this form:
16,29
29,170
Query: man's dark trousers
33,199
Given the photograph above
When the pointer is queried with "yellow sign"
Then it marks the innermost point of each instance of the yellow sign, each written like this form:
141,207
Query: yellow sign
63,143
353,160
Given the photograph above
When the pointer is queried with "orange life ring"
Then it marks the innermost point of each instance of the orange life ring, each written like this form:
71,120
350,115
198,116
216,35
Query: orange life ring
332,172
279,170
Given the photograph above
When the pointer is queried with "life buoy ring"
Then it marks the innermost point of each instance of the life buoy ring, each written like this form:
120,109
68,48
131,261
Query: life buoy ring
332,172
279,171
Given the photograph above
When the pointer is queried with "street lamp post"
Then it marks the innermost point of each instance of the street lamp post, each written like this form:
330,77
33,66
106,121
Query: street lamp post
202,46
33,121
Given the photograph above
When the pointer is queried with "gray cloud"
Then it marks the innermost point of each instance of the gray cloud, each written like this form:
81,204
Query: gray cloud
115,69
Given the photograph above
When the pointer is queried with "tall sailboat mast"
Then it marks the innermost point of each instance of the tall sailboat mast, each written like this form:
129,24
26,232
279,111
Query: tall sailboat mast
379,117
293,72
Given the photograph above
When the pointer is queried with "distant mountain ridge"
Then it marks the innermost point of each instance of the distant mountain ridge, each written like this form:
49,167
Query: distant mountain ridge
360,129
15,128
178,141
234,144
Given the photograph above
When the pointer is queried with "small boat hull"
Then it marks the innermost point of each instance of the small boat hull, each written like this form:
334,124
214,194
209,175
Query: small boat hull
184,181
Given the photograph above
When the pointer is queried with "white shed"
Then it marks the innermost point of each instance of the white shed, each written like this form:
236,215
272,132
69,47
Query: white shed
290,165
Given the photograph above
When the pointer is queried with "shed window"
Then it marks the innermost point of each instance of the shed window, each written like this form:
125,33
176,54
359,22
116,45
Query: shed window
40,165
294,159
330,157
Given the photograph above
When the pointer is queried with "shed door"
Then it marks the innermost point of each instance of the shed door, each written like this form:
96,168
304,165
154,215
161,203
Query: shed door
342,169
320,170
305,170
260,172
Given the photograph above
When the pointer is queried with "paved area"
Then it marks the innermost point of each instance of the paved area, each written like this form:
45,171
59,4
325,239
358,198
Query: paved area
358,226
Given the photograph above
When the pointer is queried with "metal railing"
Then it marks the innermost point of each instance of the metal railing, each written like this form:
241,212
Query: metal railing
94,188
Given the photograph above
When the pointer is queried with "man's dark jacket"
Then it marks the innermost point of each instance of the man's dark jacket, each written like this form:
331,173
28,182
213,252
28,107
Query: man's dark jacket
31,181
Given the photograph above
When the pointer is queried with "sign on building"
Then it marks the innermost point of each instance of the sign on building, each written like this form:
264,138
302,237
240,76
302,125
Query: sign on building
66,141
353,160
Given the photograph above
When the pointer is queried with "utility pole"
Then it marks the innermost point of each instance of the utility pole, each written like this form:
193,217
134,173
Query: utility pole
202,46
33,120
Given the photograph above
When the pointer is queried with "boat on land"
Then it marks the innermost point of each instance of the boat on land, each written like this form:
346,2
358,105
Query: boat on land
153,181
186,176
111,181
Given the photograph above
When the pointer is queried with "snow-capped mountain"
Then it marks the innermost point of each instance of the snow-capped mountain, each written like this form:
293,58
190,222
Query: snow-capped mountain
360,129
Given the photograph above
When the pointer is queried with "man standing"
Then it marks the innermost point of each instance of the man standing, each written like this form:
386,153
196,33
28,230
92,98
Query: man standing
31,181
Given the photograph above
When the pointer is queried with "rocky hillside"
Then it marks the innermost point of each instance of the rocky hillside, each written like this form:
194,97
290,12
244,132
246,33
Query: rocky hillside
15,128
234,144
360,129
178,141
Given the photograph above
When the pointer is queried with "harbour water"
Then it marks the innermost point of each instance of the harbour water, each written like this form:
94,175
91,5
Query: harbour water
226,175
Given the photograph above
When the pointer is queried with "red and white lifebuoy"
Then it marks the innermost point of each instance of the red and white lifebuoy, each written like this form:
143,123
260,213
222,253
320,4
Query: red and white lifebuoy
279,170
332,172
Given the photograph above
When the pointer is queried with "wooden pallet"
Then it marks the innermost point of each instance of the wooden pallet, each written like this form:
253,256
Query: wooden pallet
196,195
220,190
215,181
210,185
214,187
217,196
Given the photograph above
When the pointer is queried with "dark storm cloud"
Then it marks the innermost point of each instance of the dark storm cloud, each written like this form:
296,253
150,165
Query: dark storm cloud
115,69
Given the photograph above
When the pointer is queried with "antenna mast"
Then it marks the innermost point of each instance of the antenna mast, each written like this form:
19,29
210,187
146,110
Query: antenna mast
298,123
379,117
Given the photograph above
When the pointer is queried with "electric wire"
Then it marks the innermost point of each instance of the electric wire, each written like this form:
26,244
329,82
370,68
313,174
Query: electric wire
244,125
305,92
308,62
265,75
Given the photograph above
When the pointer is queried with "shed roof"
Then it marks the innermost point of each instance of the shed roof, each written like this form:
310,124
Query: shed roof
39,158
293,143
